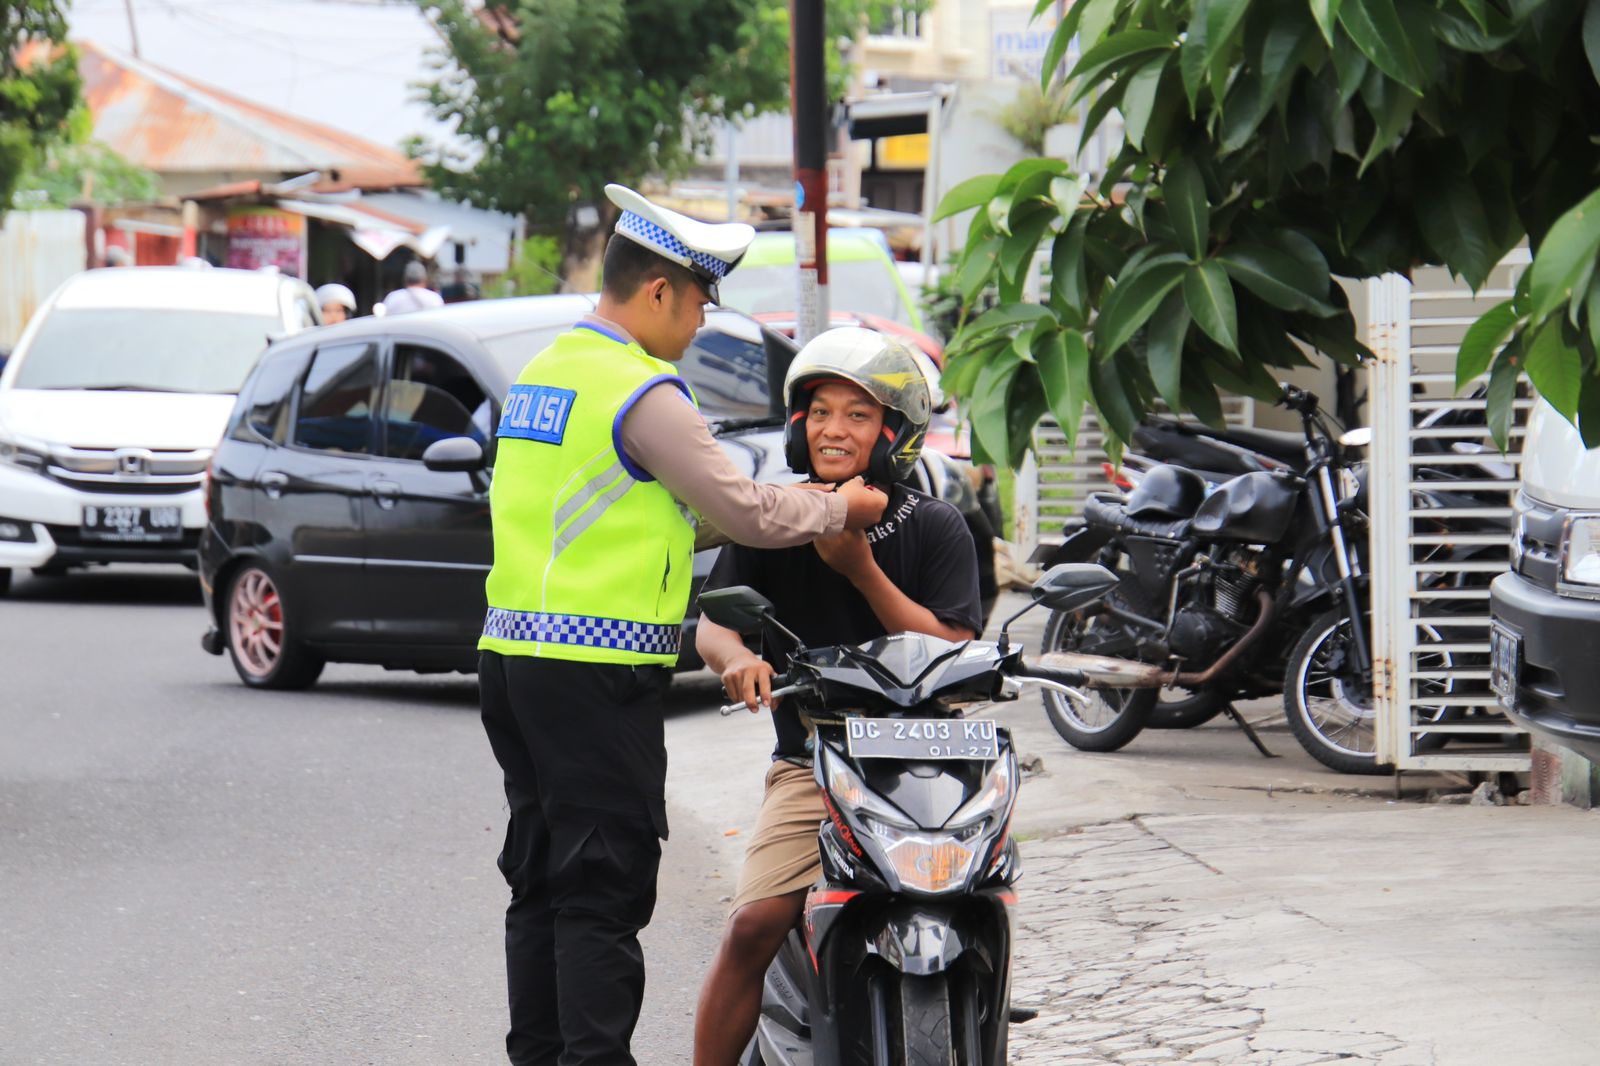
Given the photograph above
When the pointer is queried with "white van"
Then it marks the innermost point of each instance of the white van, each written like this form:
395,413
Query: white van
111,405
1545,636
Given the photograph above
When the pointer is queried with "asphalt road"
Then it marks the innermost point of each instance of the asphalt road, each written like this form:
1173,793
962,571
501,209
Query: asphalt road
192,872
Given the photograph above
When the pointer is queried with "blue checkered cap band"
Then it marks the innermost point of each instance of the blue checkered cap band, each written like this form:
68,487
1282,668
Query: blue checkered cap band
658,239
643,637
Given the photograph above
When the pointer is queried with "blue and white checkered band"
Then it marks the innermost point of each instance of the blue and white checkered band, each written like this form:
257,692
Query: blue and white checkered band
641,637
653,236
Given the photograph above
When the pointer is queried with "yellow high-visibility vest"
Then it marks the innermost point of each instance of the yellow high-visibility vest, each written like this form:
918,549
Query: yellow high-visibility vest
592,556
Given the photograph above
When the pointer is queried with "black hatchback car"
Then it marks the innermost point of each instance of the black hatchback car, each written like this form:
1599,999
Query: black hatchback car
348,504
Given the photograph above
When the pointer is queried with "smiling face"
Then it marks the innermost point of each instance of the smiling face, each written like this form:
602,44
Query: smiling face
842,424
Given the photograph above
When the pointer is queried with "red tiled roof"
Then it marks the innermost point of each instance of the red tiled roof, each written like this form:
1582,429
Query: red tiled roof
171,123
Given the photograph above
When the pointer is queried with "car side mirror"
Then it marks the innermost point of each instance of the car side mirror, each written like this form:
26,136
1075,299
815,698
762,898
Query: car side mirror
454,455
458,455
739,608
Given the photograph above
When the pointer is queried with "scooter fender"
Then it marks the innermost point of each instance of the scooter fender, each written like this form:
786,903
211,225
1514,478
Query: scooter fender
923,937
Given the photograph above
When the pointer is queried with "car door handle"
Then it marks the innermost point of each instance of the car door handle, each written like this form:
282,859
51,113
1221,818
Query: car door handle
386,493
272,483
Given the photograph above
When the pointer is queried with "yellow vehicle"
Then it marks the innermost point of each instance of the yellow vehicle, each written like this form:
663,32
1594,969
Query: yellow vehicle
861,277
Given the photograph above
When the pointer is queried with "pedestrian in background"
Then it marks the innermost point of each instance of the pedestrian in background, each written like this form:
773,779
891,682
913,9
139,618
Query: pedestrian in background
338,303
601,455
415,296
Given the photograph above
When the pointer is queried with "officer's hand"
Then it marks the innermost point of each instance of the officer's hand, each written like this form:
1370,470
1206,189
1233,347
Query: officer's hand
866,503
748,680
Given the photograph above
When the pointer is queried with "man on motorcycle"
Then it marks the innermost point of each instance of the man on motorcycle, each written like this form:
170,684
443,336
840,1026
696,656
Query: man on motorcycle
857,405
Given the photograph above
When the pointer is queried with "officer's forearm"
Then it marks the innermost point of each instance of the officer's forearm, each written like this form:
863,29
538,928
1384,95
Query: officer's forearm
667,437
718,646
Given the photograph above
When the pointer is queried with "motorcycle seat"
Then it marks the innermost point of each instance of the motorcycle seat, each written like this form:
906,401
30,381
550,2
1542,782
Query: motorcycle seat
1109,511
1192,444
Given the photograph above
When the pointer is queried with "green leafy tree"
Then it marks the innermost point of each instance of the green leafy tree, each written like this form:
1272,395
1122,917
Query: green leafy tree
39,86
1269,147
72,170
555,98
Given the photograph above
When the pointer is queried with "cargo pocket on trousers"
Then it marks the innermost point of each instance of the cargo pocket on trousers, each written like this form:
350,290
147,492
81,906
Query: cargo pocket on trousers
607,865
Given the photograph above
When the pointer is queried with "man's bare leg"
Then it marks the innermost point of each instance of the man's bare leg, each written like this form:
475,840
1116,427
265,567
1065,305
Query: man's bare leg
730,999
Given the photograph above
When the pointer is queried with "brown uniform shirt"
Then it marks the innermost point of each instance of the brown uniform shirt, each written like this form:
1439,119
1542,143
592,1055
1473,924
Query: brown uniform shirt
665,435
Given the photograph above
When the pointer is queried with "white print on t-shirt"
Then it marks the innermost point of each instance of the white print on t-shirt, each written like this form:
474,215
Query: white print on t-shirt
891,524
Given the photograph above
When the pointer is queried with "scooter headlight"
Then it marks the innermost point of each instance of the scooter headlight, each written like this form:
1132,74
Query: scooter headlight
846,786
995,795
928,862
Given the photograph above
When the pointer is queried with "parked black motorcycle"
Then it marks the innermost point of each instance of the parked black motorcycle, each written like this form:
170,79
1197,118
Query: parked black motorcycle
904,954
1250,588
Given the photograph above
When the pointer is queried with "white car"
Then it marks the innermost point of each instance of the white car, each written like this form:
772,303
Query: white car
113,401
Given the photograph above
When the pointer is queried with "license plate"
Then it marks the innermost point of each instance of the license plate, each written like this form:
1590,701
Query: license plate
922,738
1505,662
141,525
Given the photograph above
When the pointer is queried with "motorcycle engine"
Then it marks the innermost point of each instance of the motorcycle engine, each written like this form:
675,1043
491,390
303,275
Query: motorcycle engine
1203,632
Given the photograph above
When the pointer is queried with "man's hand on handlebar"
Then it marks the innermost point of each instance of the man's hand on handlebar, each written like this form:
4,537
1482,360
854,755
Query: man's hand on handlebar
748,680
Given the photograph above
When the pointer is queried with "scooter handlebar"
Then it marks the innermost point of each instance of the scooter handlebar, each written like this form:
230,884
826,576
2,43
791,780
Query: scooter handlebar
780,687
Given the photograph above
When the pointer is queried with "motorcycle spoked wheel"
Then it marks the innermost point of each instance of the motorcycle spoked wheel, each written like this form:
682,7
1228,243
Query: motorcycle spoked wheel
1330,712
1113,716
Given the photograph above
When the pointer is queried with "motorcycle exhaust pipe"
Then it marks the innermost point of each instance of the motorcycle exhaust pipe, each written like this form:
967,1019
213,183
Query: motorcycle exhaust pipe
1106,672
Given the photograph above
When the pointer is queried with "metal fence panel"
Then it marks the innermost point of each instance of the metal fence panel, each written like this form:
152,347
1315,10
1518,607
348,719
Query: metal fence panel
38,251
1441,518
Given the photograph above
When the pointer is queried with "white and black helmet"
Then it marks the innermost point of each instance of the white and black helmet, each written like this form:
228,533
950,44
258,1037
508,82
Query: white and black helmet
887,370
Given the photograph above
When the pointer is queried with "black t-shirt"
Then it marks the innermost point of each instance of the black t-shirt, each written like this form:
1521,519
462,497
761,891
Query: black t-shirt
923,547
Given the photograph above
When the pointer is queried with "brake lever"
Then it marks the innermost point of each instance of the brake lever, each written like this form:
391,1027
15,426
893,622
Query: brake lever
742,706
1075,695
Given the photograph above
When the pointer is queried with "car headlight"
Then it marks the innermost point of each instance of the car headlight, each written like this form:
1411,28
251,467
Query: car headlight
1580,550
31,456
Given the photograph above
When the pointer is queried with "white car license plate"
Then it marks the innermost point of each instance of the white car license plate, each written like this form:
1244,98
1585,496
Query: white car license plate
922,738
140,525
1505,662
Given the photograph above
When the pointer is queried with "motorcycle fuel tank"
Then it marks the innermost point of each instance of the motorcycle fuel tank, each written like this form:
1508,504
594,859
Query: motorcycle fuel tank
1254,508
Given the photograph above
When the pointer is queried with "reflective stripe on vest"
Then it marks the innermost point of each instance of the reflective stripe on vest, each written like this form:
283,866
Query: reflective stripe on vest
574,629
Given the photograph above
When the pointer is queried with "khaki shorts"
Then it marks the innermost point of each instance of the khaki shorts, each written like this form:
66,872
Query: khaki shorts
783,856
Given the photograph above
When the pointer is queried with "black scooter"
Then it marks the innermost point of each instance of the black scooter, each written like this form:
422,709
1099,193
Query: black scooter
903,957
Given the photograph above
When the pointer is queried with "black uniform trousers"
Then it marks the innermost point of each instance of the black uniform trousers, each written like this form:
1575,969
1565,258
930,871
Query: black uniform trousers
585,763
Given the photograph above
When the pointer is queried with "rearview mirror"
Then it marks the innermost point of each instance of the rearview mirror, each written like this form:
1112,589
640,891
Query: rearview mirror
1072,586
739,608
454,455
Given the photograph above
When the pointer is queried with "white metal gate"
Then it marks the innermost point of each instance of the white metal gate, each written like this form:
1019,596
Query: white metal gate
1055,480
1441,516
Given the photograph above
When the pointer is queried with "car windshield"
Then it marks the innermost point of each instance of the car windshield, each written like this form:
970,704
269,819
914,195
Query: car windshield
511,351
863,285
145,349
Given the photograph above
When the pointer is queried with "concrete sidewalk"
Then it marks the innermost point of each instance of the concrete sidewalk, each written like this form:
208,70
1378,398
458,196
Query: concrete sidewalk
1186,900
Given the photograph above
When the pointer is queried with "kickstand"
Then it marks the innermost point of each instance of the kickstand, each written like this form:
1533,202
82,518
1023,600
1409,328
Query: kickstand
1238,720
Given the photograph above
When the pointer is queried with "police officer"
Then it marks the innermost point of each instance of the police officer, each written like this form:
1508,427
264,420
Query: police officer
601,457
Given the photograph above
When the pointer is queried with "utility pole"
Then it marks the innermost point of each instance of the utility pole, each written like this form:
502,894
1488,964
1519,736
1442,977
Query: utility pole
133,30
808,92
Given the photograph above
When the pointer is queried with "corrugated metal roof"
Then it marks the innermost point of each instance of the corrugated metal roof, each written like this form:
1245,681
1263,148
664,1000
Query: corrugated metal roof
170,124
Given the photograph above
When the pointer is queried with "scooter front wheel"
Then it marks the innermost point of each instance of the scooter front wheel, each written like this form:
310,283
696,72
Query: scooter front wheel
923,1032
